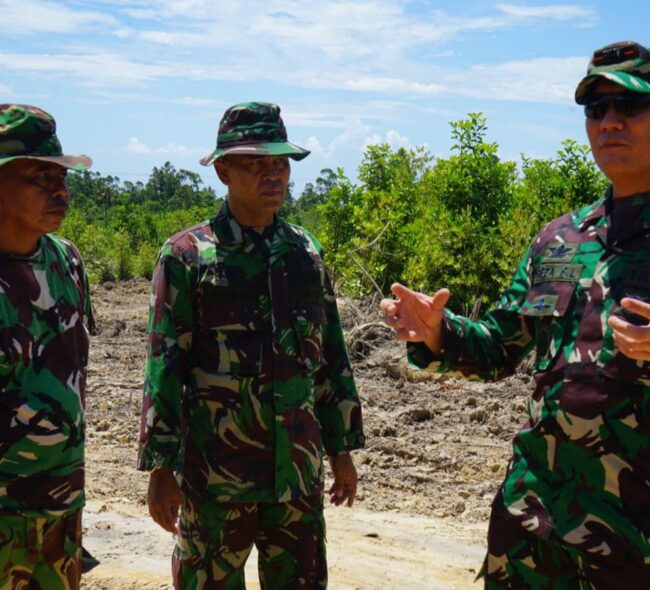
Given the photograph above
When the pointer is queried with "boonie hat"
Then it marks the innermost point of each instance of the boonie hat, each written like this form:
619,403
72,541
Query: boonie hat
625,63
254,129
30,132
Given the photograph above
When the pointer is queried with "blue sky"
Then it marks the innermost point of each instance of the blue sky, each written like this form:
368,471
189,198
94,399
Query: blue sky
134,83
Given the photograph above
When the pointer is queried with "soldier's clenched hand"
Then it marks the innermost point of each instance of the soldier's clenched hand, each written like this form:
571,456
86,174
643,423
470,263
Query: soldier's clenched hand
633,340
344,488
164,498
415,316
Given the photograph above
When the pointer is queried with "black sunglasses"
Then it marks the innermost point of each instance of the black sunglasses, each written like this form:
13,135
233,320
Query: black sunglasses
626,104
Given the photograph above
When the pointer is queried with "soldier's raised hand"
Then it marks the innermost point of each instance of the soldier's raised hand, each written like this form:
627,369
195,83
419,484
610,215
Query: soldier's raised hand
631,339
416,317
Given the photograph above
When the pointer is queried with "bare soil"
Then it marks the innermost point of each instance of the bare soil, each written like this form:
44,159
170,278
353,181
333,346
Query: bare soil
436,453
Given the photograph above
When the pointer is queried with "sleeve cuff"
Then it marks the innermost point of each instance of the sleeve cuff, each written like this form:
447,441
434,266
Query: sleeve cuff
155,460
344,444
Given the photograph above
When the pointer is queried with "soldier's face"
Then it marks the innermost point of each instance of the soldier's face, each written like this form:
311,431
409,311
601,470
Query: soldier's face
257,186
621,145
33,197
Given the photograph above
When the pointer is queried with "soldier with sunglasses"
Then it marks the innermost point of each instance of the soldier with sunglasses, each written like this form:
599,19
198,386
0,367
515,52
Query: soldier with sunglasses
574,509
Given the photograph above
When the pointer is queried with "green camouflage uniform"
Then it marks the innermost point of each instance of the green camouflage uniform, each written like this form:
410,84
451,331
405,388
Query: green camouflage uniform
577,490
216,539
44,314
248,379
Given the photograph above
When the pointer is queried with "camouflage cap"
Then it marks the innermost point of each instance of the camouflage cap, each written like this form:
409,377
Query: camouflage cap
29,132
625,63
253,128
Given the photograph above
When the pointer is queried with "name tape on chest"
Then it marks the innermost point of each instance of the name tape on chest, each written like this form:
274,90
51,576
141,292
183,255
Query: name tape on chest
557,273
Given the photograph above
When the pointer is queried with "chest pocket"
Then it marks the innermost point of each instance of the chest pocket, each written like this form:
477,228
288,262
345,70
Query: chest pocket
308,321
307,303
548,304
235,328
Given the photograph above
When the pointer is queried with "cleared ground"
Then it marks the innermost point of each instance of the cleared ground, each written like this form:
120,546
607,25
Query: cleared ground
436,453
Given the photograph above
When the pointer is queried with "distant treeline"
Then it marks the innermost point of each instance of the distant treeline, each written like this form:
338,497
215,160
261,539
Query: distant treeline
462,222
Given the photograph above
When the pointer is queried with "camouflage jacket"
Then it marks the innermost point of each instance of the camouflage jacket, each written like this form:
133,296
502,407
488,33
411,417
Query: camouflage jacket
45,315
581,465
247,376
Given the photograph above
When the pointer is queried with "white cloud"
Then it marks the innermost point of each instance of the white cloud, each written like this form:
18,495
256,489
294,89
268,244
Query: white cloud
383,85
555,12
355,136
314,146
101,69
374,139
363,46
551,80
537,80
396,140
194,101
393,138
343,31
5,89
135,146
27,17
354,139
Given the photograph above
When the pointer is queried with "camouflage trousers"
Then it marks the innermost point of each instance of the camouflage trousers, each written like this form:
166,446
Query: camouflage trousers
216,539
40,553
519,560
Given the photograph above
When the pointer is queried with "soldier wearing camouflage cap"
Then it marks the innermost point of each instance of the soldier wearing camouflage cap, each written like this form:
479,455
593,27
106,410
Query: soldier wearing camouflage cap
574,508
248,382
45,318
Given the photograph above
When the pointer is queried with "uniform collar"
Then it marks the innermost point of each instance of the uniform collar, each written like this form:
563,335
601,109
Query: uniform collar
597,211
229,232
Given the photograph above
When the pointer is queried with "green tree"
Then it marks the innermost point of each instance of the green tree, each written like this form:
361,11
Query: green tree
457,237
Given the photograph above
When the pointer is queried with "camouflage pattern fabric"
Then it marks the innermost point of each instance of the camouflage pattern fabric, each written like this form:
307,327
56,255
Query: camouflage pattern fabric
247,378
625,63
254,129
216,539
40,553
581,465
44,302
519,560
29,132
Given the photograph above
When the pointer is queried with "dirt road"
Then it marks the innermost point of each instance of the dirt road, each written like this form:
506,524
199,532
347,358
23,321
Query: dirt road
366,551
436,452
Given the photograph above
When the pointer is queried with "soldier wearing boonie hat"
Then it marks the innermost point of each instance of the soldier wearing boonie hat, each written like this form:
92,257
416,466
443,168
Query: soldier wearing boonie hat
248,383
253,129
573,509
45,316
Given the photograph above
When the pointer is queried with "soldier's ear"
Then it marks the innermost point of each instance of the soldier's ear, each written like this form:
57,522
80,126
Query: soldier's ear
221,169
